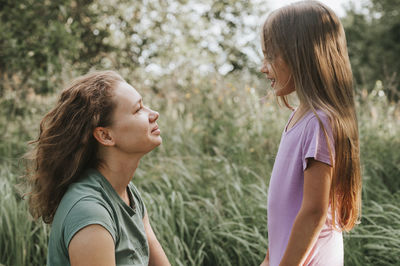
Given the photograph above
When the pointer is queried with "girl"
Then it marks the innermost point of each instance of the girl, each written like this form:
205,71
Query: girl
86,154
315,186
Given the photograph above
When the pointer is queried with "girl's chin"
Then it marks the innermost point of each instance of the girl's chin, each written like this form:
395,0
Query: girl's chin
278,92
283,91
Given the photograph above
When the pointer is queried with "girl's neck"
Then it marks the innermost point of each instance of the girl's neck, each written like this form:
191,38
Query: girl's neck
300,111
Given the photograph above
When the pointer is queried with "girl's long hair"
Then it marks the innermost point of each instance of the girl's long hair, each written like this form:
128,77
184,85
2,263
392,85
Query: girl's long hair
311,40
66,146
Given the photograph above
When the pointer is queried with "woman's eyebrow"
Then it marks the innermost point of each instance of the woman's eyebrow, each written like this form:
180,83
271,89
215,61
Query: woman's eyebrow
137,102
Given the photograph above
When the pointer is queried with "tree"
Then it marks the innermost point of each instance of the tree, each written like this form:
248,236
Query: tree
39,37
373,35
183,39
146,40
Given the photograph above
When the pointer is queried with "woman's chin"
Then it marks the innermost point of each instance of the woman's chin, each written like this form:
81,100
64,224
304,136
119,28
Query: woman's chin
157,141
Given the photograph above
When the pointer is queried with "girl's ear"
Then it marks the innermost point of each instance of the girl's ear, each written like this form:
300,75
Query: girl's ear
103,136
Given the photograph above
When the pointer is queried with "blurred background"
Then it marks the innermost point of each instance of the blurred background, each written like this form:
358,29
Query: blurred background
197,63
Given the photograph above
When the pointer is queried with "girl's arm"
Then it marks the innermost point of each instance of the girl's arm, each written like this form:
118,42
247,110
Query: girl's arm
157,254
266,260
312,214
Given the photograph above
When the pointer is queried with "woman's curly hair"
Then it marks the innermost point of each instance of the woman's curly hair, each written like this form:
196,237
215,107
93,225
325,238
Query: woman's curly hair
66,146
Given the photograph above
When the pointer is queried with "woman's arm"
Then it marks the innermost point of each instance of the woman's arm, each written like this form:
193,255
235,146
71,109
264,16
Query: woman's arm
92,245
312,214
157,254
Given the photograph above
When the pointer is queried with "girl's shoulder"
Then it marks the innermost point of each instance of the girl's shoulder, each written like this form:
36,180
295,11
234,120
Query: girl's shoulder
312,119
307,120
323,115
317,139
317,124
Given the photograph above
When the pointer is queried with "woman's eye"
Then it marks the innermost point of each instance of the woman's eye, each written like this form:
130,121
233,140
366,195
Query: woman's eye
137,110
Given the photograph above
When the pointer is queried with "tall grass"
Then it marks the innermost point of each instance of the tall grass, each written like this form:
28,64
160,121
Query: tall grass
22,241
205,188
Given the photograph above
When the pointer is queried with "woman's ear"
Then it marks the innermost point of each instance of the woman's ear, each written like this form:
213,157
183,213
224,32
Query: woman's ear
103,136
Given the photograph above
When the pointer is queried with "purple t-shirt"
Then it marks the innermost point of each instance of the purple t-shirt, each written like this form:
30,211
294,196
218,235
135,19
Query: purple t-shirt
306,139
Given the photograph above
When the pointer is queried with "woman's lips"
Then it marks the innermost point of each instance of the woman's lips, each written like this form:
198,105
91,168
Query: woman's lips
156,131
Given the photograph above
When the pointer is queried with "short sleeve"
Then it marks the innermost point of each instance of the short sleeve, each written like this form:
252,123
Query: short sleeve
87,211
138,199
316,144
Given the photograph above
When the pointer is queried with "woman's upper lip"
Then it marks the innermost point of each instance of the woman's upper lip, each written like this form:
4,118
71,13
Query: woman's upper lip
154,128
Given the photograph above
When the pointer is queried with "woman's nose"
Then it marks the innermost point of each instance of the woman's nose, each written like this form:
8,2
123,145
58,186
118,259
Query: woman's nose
153,116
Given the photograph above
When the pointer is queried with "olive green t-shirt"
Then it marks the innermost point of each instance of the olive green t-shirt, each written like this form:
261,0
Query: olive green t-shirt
92,200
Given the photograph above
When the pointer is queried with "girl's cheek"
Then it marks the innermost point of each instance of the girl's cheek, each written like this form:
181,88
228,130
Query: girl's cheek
269,67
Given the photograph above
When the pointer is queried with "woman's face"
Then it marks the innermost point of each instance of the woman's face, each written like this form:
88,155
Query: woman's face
279,74
134,126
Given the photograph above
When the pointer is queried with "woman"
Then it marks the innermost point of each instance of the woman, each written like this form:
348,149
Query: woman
86,154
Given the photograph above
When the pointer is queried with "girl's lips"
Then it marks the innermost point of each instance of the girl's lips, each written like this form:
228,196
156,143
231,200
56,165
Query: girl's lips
272,82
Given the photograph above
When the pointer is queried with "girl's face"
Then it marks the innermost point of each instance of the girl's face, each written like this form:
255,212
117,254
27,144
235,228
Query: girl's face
134,126
279,74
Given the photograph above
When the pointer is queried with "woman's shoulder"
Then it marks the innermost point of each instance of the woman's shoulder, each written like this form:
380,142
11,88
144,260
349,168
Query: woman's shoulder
73,214
88,183
87,189
84,203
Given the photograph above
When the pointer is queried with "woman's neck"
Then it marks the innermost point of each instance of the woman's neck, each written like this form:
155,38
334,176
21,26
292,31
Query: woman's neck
119,173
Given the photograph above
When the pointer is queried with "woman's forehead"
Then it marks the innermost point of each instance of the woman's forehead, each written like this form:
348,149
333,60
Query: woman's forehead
124,92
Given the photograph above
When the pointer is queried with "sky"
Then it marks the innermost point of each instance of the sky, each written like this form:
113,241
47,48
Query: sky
335,5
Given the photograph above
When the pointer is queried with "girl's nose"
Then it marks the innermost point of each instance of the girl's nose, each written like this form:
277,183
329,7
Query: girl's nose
153,116
264,69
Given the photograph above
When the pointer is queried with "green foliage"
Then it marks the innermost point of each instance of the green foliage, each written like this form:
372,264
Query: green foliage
383,163
40,38
208,172
378,234
205,187
22,241
373,35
